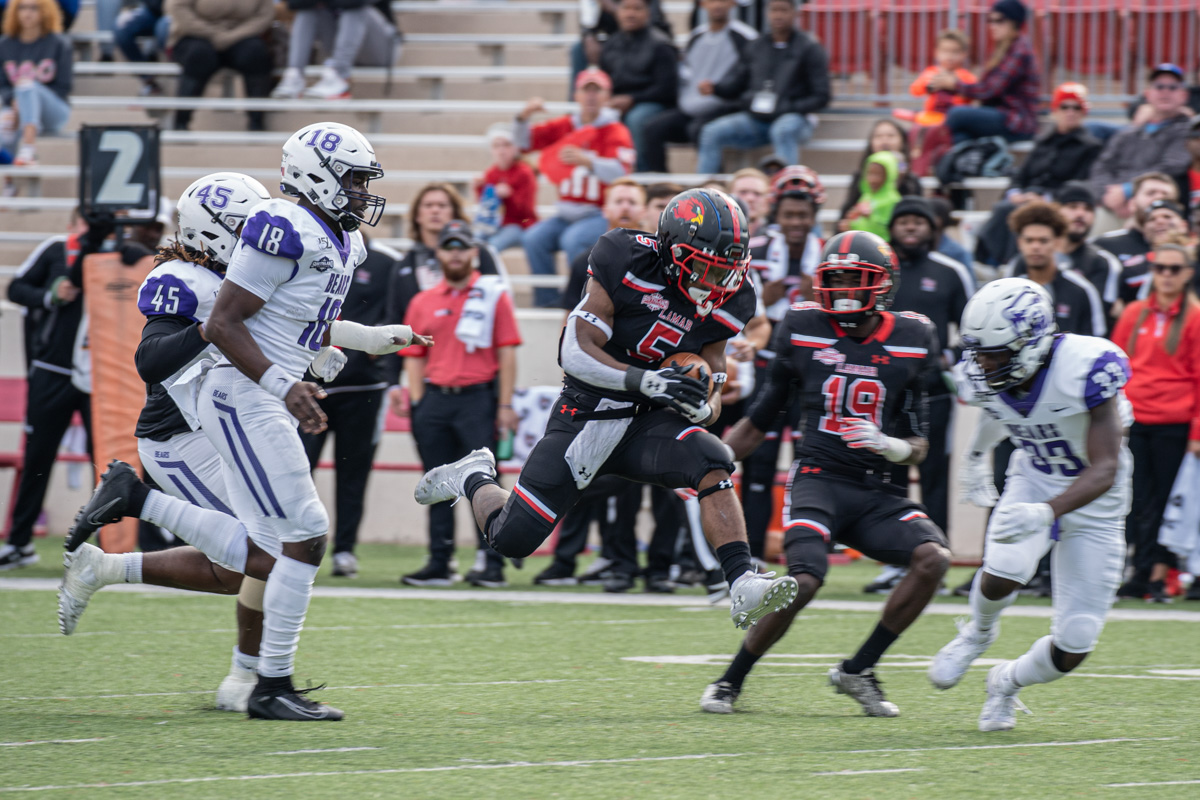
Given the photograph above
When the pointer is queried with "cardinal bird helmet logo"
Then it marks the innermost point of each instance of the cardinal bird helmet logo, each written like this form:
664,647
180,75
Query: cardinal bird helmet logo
690,210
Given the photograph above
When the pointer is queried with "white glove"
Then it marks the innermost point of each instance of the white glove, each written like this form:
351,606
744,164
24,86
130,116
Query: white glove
1012,523
377,340
698,415
328,363
862,434
975,482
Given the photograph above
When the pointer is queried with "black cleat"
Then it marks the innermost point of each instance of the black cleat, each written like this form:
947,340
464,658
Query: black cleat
659,584
108,503
490,577
619,582
278,699
559,573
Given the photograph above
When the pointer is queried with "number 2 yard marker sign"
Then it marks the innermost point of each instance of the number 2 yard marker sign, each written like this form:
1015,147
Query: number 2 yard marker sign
119,171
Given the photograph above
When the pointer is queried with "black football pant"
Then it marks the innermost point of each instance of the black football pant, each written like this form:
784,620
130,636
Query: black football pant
1158,452
599,503
355,424
51,401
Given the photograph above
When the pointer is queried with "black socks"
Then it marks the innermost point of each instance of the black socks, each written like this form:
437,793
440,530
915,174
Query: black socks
735,560
742,663
137,499
476,481
871,651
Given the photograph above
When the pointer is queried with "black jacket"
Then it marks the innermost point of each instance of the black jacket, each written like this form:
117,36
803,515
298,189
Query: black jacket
938,287
1057,158
798,72
643,64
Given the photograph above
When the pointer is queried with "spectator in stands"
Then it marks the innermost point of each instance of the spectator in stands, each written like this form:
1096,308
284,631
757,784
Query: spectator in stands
350,31
509,184
209,34
354,408
780,85
658,195
1161,334
1130,244
624,207
1189,192
886,134
35,76
1008,89
432,209
1140,110
1064,153
947,245
712,52
598,21
751,188
771,165
642,63
581,154
878,195
1156,145
1039,227
1077,205
146,20
950,54
461,388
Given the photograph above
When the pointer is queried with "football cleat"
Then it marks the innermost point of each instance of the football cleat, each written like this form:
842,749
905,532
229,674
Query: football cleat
430,575
719,698
952,661
490,577
559,573
345,565
289,703
234,692
863,687
756,594
887,580
13,557
1000,709
618,582
86,570
597,573
446,482
107,504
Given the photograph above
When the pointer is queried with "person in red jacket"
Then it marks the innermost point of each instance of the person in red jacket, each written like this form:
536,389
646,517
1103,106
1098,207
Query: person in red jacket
1161,334
513,186
581,154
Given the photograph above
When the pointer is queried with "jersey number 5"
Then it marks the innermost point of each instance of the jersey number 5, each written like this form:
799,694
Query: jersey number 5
863,398
661,332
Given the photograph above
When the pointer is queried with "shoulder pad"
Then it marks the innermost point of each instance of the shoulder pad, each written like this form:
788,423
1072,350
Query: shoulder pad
274,231
169,292
914,315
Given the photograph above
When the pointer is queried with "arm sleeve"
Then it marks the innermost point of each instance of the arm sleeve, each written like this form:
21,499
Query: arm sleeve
168,344
920,87
547,133
258,273
522,203
616,155
64,70
733,83
816,68
30,286
665,87
1124,326
6,87
996,82
505,333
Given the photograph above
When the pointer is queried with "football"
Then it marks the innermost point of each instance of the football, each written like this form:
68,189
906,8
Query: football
695,364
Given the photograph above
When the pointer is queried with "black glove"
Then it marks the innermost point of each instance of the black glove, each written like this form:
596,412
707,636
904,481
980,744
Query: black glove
669,387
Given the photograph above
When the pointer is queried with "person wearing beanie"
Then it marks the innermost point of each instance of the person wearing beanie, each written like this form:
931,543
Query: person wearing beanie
1008,89
1077,205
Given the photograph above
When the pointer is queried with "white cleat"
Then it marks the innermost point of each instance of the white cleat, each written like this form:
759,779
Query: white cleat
756,594
446,482
863,687
952,661
86,570
719,698
331,86
290,86
234,692
1000,709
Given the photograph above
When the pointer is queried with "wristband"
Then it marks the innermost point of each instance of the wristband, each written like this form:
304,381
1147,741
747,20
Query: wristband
277,382
897,450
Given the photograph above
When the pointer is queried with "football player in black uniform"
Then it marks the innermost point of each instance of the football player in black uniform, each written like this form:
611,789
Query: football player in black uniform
621,413
860,372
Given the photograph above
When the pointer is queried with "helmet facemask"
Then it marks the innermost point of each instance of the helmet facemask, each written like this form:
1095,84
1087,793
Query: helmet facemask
352,206
850,290
706,278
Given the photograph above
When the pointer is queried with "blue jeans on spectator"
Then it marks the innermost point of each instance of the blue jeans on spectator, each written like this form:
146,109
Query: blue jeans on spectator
507,236
554,234
743,131
978,122
635,120
142,22
39,106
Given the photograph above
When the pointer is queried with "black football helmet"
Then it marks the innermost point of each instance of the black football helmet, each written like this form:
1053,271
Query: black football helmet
858,276
704,244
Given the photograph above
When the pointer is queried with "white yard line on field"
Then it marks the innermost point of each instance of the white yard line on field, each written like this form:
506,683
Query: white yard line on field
600,598
1156,783
867,771
1005,746
327,750
51,741
392,771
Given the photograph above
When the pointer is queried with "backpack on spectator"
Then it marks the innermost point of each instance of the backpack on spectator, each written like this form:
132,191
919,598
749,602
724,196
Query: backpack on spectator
976,158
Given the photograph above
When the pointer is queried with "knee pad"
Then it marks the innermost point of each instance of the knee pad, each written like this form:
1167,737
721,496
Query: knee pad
1078,633
709,454
251,593
806,555
516,533
1011,561
313,519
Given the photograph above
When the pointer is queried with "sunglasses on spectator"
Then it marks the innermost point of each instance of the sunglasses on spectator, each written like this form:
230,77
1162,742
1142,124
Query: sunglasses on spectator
997,20
1169,269
1167,87
1070,107
29,7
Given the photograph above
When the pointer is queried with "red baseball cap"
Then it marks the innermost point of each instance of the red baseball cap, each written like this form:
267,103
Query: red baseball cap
593,75
1070,91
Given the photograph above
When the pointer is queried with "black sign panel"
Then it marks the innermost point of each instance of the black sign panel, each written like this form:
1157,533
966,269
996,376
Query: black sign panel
119,171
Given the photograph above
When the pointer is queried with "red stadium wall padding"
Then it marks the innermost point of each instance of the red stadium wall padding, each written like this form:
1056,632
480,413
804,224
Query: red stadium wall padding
114,330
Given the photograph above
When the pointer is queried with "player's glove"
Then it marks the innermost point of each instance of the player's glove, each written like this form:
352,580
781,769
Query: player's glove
975,483
327,364
670,387
1017,521
374,339
862,434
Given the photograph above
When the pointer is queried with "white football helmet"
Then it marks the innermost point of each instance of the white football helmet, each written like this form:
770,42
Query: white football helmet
321,162
212,210
1012,315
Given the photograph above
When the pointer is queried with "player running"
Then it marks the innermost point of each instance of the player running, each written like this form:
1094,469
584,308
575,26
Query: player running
860,373
277,306
1058,398
648,297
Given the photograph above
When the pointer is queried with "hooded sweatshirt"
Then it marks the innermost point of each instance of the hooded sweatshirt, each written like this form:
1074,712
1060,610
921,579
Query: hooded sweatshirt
882,201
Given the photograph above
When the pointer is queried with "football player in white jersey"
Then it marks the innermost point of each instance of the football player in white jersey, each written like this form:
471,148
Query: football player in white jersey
276,308
1058,398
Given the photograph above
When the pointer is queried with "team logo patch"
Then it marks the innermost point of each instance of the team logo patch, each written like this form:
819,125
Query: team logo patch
1063,310
322,264
805,304
362,276
829,356
690,210
928,285
655,302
